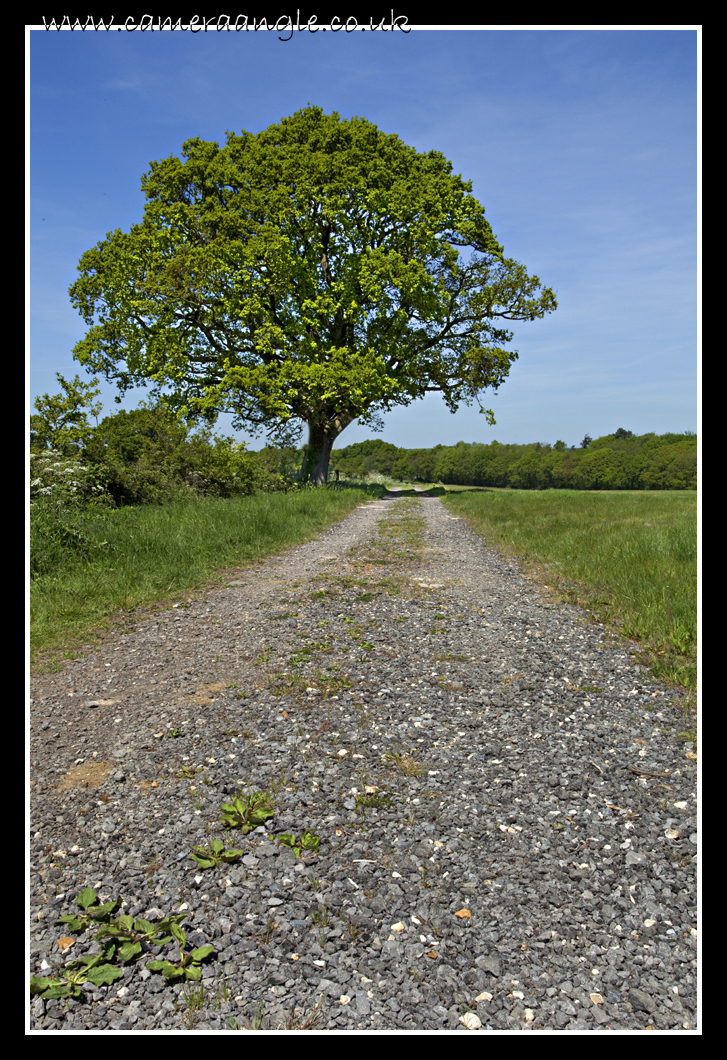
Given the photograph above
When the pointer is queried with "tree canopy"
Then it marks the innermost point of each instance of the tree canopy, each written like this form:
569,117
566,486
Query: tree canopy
312,272
61,420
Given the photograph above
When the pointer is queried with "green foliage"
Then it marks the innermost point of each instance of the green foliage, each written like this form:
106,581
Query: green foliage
61,421
188,965
377,800
212,856
308,841
152,456
123,939
93,912
618,461
248,811
417,465
282,464
311,272
146,456
97,970
60,483
61,489
130,936
363,458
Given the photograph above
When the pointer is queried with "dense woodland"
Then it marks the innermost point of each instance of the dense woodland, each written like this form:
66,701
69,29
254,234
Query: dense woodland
616,461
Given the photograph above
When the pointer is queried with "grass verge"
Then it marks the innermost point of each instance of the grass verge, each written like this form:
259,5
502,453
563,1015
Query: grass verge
148,555
630,559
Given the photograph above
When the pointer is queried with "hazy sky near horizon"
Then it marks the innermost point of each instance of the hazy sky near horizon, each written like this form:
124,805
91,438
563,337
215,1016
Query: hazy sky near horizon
582,146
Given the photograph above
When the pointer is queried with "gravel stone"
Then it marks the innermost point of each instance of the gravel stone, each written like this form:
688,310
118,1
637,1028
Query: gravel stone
457,740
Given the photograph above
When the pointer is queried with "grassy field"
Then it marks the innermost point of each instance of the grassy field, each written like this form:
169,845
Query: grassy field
629,558
141,556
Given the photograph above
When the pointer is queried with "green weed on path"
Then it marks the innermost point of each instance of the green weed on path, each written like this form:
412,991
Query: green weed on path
628,558
160,552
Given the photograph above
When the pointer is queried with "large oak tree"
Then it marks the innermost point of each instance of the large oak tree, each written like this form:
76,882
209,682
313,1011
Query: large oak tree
319,271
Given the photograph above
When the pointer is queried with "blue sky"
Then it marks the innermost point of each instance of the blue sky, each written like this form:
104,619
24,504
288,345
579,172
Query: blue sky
582,146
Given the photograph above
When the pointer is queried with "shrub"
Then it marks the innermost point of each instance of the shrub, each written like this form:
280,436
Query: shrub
152,457
65,482
61,489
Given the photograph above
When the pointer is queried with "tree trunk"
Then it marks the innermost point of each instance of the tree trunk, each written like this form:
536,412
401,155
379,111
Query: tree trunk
318,454
321,436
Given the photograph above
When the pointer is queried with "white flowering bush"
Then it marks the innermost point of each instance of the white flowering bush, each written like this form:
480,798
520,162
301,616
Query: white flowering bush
61,491
63,482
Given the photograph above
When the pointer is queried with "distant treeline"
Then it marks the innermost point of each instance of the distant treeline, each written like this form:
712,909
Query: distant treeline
619,461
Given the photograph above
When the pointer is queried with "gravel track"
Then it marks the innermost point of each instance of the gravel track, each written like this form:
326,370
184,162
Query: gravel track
507,815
